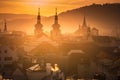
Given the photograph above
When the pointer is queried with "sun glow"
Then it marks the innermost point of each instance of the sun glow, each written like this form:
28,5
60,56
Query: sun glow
37,3
47,6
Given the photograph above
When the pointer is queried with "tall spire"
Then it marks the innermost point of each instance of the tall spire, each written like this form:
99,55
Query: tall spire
56,11
56,16
38,11
5,26
38,17
79,27
38,27
84,22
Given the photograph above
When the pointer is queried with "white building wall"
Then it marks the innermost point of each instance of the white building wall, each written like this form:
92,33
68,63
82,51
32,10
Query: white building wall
7,56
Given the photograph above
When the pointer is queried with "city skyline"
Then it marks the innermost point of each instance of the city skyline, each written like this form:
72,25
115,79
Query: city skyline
47,6
59,39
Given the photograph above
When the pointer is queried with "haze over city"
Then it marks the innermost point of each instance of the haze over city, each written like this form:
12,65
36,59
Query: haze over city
59,39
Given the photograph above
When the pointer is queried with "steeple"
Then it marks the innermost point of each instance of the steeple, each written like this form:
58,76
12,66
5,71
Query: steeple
84,22
38,17
5,26
56,16
38,27
56,32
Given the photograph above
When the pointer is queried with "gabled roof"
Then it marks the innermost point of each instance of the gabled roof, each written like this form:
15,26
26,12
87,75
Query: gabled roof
75,51
35,67
36,42
19,74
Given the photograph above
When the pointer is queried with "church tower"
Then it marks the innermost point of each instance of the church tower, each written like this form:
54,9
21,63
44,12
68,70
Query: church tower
83,30
5,26
56,32
38,27
84,22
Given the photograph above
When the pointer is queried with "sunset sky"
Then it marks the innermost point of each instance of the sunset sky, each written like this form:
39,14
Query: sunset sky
47,6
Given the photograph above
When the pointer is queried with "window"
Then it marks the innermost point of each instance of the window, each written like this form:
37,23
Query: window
8,58
5,51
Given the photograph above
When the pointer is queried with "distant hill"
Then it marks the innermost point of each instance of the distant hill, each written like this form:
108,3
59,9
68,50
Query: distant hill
17,21
105,17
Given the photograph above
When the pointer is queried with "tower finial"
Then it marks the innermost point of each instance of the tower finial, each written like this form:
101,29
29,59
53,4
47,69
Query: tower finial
79,27
56,11
38,11
38,17
56,16
5,26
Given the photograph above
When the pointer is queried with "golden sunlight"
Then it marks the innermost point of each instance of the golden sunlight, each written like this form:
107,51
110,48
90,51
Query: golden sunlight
56,68
47,6
37,3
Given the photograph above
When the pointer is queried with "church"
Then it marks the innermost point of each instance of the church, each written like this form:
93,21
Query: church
83,31
55,32
86,31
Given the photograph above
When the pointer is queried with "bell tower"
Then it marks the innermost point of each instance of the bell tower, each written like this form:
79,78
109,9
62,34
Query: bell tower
38,27
56,32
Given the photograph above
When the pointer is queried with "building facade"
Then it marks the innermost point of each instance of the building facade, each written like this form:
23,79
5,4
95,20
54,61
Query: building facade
7,56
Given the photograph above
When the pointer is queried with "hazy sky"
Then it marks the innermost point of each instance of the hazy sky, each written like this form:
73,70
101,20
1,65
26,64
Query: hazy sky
47,6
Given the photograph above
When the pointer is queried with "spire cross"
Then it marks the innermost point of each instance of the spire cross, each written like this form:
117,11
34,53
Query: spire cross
38,11
5,25
38,17
56,11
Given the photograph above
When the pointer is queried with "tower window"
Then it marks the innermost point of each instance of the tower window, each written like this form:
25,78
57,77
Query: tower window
8,58
5,51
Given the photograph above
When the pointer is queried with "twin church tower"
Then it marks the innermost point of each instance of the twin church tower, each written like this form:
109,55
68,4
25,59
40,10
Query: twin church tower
55,32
